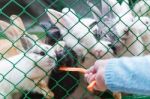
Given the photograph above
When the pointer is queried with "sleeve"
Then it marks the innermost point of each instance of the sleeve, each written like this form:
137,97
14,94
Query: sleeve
129,75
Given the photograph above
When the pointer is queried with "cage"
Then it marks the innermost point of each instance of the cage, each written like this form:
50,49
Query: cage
29,19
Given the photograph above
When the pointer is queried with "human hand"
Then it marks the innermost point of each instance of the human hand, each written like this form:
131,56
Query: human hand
96,72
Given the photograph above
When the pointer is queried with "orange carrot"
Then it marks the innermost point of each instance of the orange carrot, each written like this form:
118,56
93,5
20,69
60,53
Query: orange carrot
90,87
73,69
81,70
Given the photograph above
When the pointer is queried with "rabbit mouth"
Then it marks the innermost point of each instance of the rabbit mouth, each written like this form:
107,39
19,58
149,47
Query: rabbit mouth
52,63
119,47
51,66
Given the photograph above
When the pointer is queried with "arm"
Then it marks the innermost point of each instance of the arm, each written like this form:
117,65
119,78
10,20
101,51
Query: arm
130,75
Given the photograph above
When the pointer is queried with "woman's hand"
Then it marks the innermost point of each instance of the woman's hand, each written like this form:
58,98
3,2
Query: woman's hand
96,72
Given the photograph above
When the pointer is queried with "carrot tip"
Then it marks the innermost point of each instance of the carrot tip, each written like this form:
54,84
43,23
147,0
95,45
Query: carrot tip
90,87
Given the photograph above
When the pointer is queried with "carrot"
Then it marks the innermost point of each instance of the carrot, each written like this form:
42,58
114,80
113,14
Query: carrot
73,69
90,87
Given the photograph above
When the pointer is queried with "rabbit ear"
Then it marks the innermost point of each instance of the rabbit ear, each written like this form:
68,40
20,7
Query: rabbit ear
120,9
71,14
95,11
18,23
9,31
61,20
27,42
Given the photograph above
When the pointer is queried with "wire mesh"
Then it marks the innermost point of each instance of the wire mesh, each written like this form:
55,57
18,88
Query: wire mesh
83,30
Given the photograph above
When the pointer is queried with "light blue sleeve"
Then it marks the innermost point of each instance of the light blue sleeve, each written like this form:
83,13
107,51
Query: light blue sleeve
129,75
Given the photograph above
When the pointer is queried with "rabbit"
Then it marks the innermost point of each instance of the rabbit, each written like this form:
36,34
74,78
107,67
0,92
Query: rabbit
67,60
65,57
14,32
104,17
141,8
143,24
12,45
21,71
106,30
128,41
86,60
111,28
79,37
117,21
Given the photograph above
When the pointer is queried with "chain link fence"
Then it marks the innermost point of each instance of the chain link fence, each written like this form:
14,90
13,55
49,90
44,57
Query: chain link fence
38,36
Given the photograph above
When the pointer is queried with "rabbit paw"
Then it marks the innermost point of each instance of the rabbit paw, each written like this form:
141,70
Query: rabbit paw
45,90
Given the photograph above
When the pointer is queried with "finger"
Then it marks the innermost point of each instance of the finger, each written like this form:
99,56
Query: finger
87,77
91,70
90,78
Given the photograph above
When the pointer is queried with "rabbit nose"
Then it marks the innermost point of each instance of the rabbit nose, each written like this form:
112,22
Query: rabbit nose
59,54
98,53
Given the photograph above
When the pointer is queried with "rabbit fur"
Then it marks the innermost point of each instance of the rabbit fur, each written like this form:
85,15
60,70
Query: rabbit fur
119,23
54,35
143,24
134,36
128,40
14,32
127,32
26,73
141,8
89,59
65,57
12,45
79,37
124,41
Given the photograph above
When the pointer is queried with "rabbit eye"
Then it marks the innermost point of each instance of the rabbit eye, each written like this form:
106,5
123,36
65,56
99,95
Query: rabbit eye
95,31
42,53
147,22
93,24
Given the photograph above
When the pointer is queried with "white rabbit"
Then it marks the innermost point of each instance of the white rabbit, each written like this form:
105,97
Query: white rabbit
106,20
26,70
140,26
142,8
128,40
75,39
76,33
117,24
80,37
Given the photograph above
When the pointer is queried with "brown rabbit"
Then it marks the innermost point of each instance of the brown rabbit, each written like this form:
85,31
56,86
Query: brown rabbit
12,46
